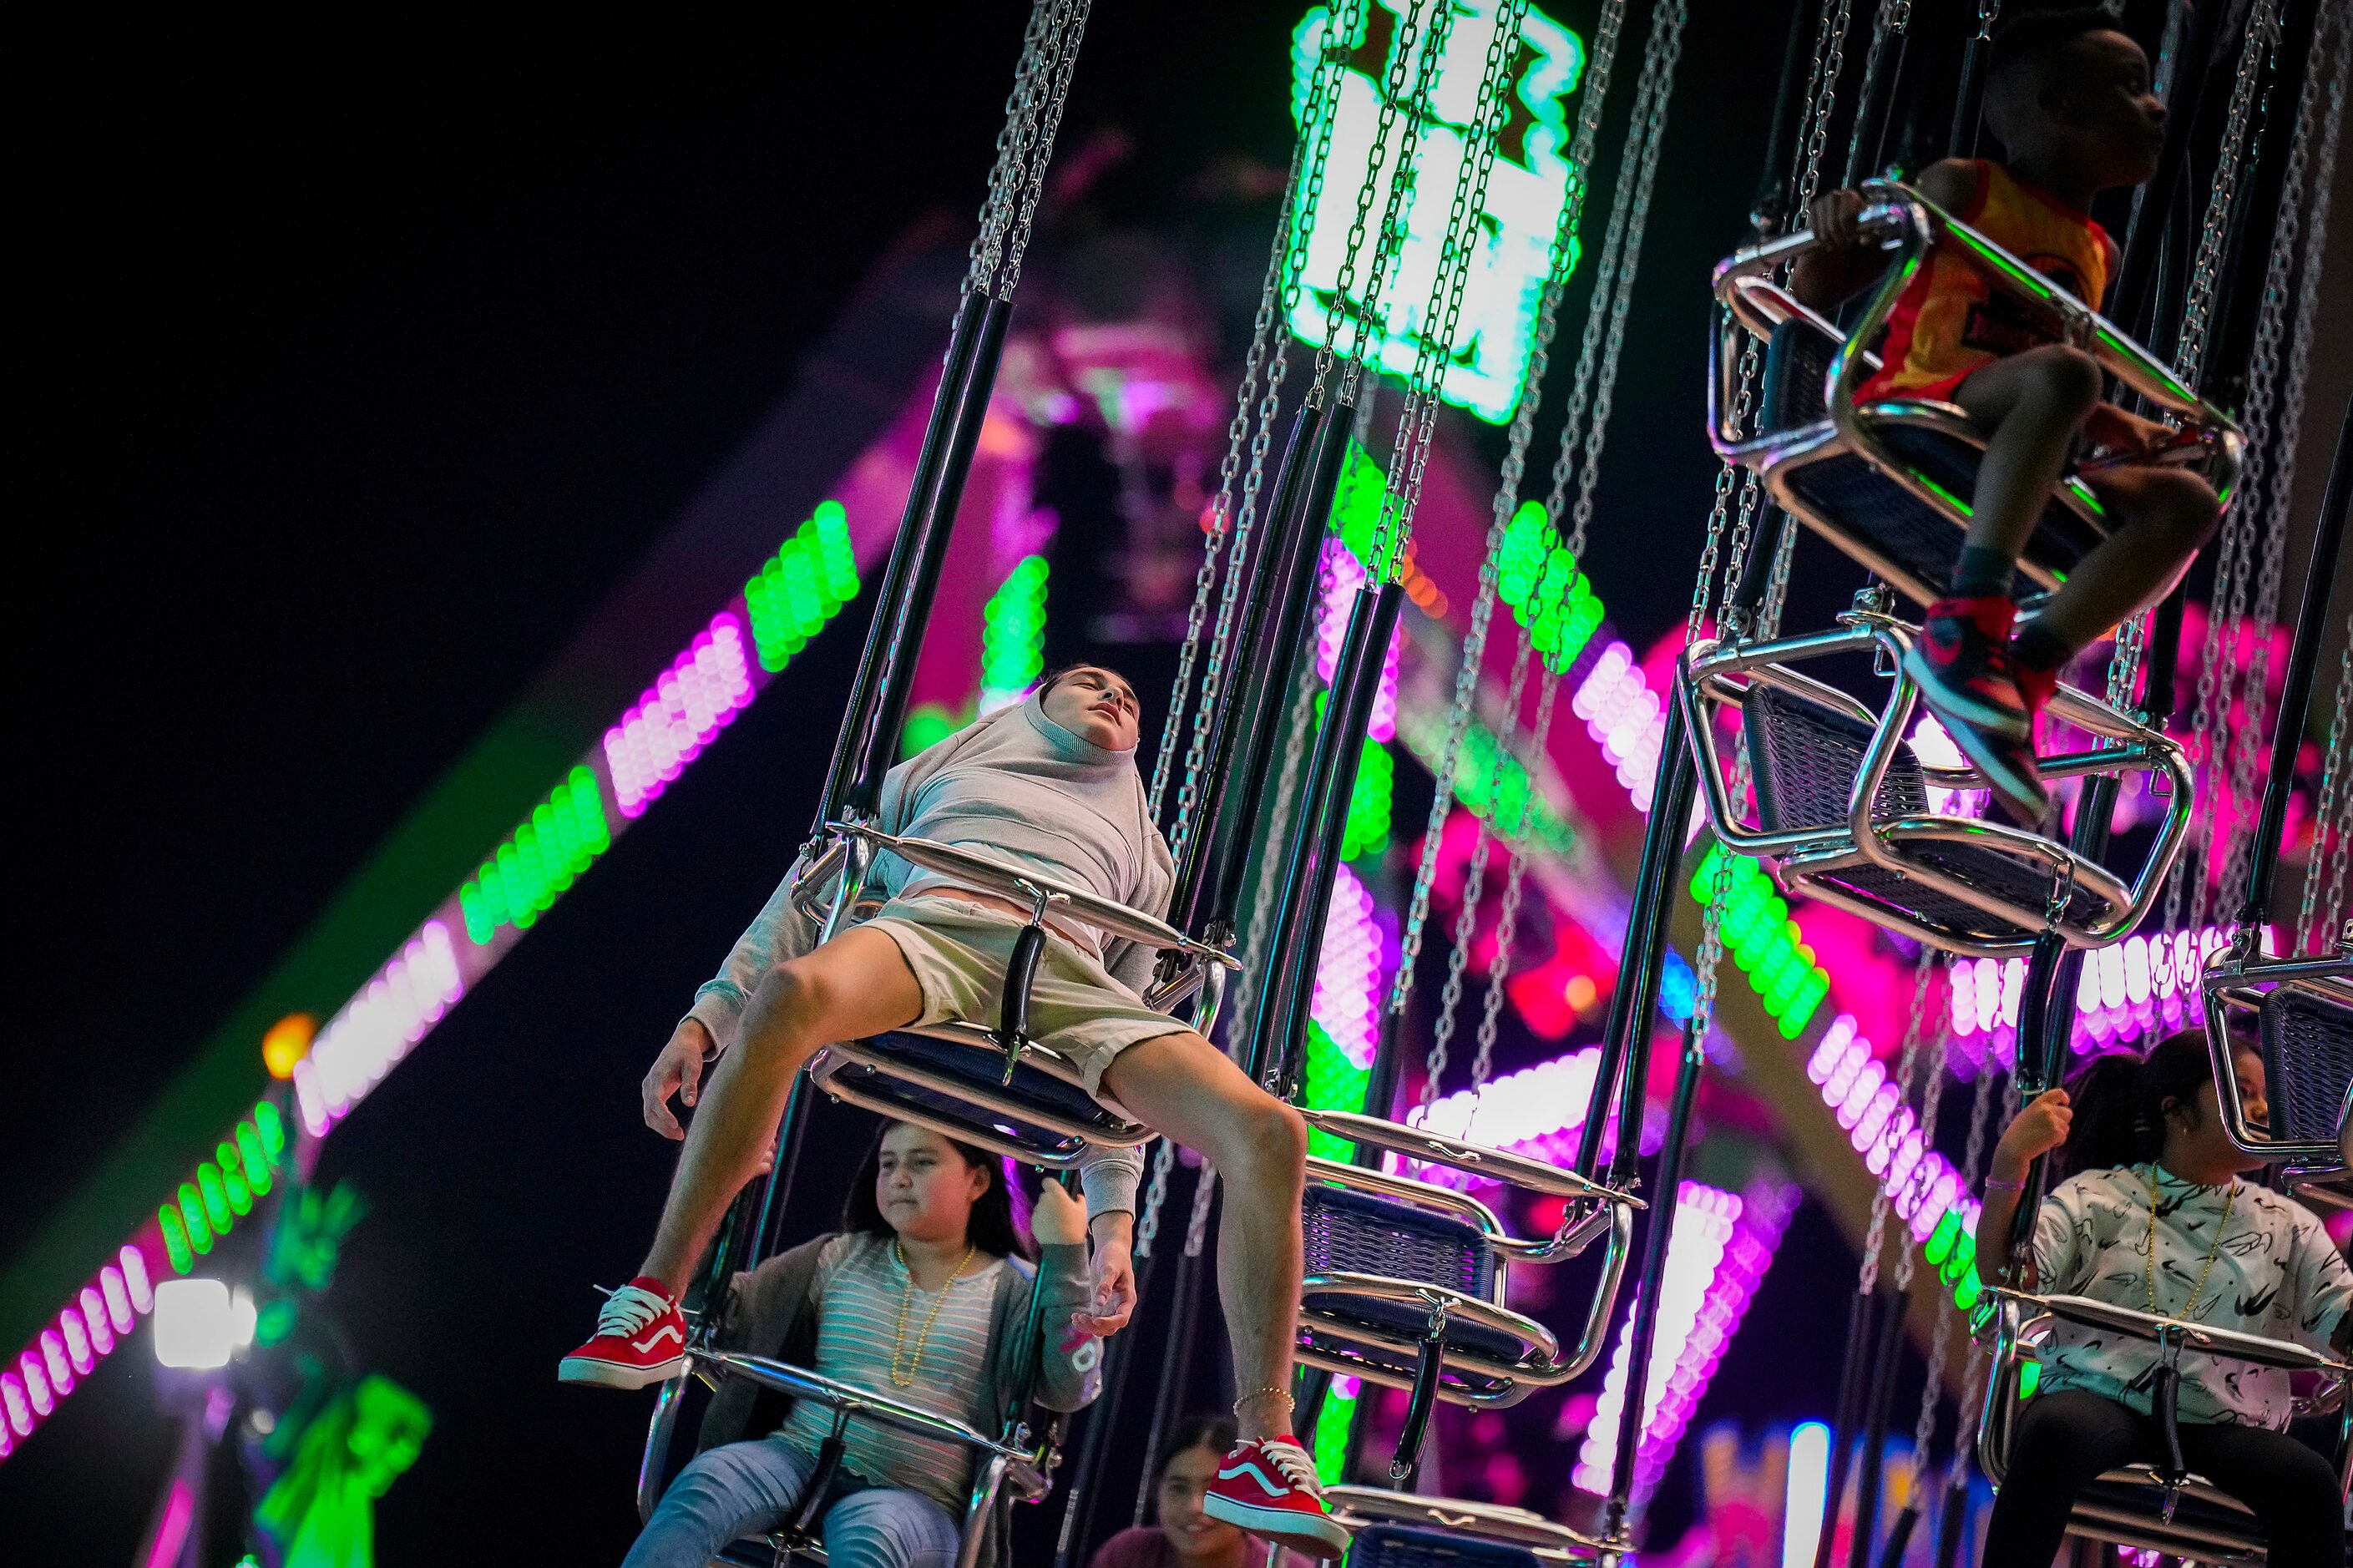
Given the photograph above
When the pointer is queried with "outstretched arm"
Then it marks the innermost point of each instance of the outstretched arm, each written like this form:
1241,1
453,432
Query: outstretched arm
779,932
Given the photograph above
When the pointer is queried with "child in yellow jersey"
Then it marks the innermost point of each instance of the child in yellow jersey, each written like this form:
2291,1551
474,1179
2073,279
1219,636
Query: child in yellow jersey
2069,95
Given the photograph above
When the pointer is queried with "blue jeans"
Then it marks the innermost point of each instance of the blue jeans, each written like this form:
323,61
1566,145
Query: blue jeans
749,1489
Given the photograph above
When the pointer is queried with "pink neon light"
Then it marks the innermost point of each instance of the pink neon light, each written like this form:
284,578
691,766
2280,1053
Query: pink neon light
375,1028
53,1357
18,1407
1884,1131
1347,574
1625,718
94,1313
1722,1244
1349,971
2142,985
172,1530
37,1383
135,1276
694,699
78,1345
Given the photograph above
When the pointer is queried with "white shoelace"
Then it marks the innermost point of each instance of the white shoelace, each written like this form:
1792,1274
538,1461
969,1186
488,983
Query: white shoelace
1296,1467
628,1309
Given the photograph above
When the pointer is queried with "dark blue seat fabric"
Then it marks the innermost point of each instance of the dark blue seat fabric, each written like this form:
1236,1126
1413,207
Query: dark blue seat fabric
2307,1050
1357,1233
1405,1546
982,1069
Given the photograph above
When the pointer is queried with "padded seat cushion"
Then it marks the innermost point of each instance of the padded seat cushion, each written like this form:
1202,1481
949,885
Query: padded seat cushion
985,1069
1357,1233
1405,1546
2308,1048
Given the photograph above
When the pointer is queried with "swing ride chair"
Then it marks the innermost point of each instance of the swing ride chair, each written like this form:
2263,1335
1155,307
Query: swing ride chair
1404,1279
1405,1530
1841,801
2155,1508
1009,1470
992,1085
1890,482
2303,1010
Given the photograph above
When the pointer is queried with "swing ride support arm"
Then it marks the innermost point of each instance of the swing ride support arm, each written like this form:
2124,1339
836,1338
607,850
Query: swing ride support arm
1279,1033
886,670
1207,883
2296,696
1626,1032
2135,292
1642,1332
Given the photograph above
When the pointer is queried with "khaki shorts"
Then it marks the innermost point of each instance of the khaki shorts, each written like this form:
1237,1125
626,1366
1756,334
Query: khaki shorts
958,952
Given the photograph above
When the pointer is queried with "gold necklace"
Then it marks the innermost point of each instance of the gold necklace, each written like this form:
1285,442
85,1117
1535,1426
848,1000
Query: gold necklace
906,1296
2149,1251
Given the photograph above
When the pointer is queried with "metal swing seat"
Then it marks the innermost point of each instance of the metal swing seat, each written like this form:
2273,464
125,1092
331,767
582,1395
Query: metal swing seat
1405,1530
993,1086
1890,482
1405,1283
2302,1012
2153,1508
1015,1470
1842,801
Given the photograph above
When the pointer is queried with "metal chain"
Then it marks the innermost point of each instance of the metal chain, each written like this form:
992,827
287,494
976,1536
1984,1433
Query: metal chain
2329,806
2197,305
1371,323
1409,454
1291,237
1907,1071
1004,174
1521,433
1197,1225
1071,27
1890,21
1932,1099
1401,54
1821,91
1155,1195
2272,483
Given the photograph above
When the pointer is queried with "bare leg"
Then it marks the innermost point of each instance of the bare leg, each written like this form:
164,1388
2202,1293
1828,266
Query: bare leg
854,986
2032,403
2163,516
1186,1086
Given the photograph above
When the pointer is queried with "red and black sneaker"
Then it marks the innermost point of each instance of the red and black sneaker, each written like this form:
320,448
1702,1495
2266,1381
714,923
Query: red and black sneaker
1267,1485
1961,663
640,1339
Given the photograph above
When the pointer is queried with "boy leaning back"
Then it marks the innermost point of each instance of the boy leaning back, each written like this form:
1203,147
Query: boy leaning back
2069,99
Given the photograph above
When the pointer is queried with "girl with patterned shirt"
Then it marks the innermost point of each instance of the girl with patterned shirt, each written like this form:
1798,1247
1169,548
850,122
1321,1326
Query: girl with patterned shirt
920,1298
2156,1217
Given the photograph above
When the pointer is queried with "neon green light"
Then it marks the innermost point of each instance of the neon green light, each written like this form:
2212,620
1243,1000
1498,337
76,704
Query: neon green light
1332,1419
1333,1083
1517,809
1511,238
560,839
191,1215
1530,578
1013,634
1368,828
927,725
1765,942
271,1130
2030,1378
175,1239
209,1208
802,586
232,1176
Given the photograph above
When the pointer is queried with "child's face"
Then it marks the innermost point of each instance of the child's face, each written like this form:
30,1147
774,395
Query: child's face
2102,113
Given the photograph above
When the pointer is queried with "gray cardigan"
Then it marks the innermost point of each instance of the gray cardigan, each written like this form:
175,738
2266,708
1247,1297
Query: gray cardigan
773,1312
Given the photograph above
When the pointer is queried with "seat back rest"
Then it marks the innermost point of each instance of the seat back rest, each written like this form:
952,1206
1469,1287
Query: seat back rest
1804,758
1355,1232
2307,1050
985,1069
1797,362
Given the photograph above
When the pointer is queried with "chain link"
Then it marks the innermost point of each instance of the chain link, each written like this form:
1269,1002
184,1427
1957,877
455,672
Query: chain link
1822,92
2330,809
2198,304
1005,173
1402,56
1069,29
1891,17
1596,89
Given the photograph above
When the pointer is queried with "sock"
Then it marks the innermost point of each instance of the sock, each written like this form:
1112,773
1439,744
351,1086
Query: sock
2037,650
1981,574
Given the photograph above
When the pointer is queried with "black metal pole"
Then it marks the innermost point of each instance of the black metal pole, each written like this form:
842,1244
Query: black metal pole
1254,694
2303,663
2143,237
1847,1414
1869,1455
1625,1029
1659,1222
1287,987
1770,205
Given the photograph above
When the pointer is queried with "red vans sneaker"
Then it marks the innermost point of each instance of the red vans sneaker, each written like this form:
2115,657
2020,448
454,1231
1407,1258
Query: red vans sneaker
640,1339
1268,1487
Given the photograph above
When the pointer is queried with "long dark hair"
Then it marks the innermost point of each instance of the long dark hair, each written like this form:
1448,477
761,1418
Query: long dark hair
1214,1432
2120,1101
992,1228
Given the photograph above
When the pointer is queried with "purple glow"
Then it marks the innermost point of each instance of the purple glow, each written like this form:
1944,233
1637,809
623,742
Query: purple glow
1349,971
1722,1244
2142,985
1345,576
376,1027
672,723
1884,1131
19,1407
172,1530
1625,718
